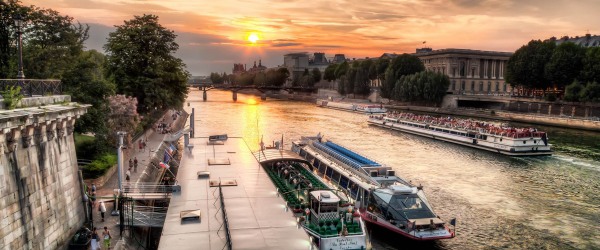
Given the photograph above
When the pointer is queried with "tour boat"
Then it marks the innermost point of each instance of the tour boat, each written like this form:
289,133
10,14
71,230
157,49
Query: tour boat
382,198
477,134
324,212
360,108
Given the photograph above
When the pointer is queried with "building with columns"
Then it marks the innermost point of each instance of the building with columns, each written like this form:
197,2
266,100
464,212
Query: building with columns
475,72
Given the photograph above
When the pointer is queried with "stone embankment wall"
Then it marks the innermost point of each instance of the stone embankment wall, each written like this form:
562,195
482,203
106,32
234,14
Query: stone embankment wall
40,190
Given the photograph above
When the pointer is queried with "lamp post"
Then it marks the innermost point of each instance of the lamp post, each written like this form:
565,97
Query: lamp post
19,23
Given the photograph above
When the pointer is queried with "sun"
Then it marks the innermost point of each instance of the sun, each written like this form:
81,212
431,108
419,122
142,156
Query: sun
253,38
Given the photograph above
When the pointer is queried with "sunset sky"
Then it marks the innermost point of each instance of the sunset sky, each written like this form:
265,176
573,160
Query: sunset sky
213,34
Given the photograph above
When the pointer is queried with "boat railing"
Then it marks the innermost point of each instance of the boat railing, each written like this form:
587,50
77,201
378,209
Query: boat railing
358,174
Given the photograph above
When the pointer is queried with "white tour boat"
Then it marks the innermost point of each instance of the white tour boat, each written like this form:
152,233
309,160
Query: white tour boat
354,107
382,198
477,134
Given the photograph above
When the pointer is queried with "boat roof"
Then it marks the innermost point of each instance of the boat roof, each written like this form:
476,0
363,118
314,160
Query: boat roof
276,155
325,196
345,155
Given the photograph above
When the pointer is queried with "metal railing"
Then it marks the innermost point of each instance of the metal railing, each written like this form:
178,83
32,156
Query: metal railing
225,224
34,87
144,188
144,216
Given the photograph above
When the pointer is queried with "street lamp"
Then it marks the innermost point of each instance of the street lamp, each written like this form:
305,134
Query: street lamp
19,24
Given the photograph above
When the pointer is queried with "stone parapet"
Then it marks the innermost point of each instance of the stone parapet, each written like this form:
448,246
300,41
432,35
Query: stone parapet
41,200
37,101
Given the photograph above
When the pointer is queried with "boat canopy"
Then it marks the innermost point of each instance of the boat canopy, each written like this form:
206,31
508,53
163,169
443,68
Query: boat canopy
344,155
276,155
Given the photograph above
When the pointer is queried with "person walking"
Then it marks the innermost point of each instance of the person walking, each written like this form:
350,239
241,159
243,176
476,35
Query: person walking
128,175
140,144
93,187
102,209
135,163
95,242
106,236
93,198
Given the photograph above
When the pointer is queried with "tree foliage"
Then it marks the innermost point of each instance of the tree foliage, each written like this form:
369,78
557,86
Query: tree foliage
573,91
216,78
526,67
341,69
316,75
329,73
591,65
424,86
402,65
85,83
141,63
565,64
51,42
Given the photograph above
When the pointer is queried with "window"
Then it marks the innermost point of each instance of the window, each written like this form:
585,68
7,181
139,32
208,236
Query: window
462,86
504,87
453,85
480,86
473,86
489,87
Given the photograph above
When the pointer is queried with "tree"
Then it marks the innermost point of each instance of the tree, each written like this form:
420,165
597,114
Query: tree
351,80
216,78
526,66
573,91
46,34
260,79
565,64
406,64
591,92
329,73
123,116
424,86
316,75
342,86
341,69
591,65
85,83
141,63
402,65
361,81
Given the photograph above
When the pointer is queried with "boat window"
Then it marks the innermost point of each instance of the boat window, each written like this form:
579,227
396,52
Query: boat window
329,172
335,177
344,182
322,168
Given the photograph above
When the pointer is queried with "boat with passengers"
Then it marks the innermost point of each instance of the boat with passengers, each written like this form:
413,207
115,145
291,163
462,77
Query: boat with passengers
382,198
324,212
472,133
364,108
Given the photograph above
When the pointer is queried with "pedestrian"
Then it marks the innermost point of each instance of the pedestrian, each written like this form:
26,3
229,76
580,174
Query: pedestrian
106,236
93,198
127,175
144,144
140,145
130,163
135,163
93,187
102,209
95,244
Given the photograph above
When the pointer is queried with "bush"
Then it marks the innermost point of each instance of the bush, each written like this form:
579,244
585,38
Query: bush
99,166
550,97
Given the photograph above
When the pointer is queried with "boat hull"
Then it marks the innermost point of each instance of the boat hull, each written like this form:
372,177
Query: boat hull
457,140
378,221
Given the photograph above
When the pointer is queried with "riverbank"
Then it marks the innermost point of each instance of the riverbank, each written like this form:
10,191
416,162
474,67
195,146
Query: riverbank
500,115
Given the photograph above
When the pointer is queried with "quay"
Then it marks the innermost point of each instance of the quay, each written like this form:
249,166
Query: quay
248,214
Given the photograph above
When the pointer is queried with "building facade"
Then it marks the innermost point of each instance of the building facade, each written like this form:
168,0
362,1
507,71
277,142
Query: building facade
473,72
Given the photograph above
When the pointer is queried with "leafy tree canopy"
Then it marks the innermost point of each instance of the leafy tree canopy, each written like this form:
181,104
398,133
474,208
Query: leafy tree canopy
565,64
141,63
526,66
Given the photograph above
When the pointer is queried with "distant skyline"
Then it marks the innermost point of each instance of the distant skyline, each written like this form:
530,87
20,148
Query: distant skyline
213,35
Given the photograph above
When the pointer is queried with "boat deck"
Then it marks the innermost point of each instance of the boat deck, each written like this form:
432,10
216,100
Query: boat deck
257,217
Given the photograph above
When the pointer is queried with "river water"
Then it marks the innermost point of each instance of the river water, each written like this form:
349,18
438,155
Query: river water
499,202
